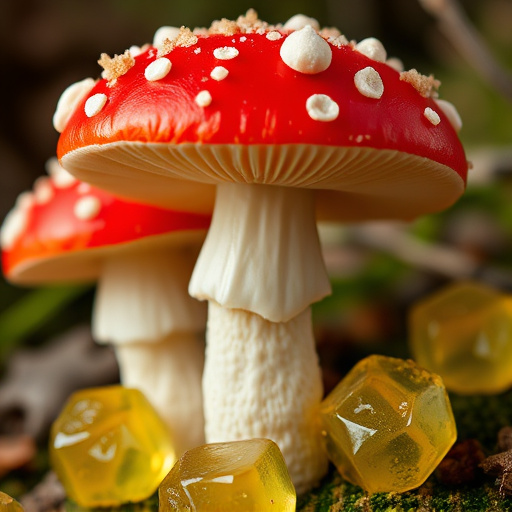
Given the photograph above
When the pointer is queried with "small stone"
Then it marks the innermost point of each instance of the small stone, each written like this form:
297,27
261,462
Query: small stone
464,334
8,504
238,476
461,464
387,424
500,465
108,446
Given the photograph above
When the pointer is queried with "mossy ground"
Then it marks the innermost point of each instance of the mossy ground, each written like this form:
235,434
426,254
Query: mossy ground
336,495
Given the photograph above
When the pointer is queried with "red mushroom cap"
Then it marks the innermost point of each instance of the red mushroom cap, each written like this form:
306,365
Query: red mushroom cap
354,119
63,231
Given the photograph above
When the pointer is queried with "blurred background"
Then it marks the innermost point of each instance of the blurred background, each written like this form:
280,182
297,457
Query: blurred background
378,271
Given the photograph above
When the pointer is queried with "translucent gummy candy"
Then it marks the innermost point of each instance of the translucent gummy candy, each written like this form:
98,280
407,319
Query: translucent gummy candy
8,504
108,446
387,424
464,333
239,476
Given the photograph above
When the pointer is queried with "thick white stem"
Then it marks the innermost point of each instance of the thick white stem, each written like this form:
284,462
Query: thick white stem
262,379
169,373
262,252
142,296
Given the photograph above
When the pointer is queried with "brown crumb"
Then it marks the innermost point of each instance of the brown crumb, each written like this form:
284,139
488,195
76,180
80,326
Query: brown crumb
225,27
250,23
184,38
330,33
427,86
461,464
114,67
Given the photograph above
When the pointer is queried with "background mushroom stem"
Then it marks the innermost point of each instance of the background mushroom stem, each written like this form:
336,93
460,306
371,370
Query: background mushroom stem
169,373
262,379
142,307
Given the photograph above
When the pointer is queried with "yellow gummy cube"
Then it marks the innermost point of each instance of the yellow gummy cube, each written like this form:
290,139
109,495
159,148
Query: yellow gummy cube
8,504
387,424
239,476
108,446
464,333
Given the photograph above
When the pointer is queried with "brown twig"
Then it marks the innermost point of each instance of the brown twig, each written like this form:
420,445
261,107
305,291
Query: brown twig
38,381
459,30
443,260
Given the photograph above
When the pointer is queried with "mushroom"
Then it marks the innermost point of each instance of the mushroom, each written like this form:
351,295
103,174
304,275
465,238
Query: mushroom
286,126
142,257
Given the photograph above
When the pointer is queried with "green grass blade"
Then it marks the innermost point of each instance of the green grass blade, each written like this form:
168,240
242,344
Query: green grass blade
34,309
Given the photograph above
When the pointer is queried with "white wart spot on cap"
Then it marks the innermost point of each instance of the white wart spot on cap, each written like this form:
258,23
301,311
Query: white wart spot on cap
274,35
395,63
61,178
203,99
13,227
300,21
432,116
158,69
87,208
25,200
83,188
135,50
372,48
43,190
219,73
68,102
451,113
321,107
225,53
306,52
164,33
369,83
95,104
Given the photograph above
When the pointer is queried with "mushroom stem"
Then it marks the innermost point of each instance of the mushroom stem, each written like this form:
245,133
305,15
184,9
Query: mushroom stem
143,308
262,379
169,373
260,268
262,252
